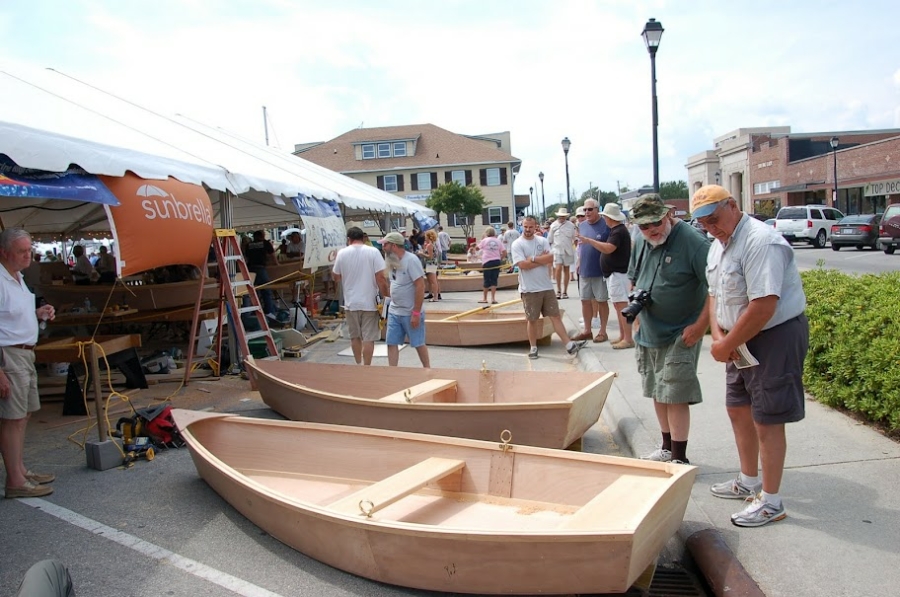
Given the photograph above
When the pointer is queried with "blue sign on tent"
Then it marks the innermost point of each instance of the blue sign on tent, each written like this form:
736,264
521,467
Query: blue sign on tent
74,184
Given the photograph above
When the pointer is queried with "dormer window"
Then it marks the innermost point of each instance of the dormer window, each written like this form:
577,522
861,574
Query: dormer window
399,149
368,151
384,149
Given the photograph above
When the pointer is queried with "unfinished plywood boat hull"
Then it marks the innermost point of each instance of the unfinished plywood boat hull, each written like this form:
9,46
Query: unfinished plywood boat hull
144,297
443,514
473,281
549,409
480,329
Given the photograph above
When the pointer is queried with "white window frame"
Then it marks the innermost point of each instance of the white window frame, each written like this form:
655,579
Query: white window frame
390,183
383,150
492,177
399,148
423,181
368,148
495,215
458,176
396,224
761,188
459,221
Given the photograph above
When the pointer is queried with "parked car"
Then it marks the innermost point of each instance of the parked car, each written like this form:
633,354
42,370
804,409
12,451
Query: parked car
889,233
770,222
807,223
856,231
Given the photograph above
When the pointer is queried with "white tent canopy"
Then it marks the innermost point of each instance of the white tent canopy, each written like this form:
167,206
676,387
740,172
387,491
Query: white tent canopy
49,121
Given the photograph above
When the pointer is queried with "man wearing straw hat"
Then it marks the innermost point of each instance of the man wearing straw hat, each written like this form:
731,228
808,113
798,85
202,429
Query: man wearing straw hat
562,243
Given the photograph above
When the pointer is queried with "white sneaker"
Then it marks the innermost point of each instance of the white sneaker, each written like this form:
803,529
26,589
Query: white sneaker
659,455
735,490
758,513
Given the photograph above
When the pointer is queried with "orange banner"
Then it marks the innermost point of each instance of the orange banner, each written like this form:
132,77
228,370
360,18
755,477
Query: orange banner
159,222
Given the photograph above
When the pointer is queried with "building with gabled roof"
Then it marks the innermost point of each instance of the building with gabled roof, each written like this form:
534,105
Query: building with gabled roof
411,160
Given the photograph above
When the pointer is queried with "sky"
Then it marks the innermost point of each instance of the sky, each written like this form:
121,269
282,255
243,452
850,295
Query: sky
542,70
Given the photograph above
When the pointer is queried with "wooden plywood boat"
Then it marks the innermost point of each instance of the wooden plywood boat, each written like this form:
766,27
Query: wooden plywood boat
541,408
144,297
473,281
480,329
443,514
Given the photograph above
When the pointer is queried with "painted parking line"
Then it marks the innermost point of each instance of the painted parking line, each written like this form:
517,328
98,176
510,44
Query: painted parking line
236,585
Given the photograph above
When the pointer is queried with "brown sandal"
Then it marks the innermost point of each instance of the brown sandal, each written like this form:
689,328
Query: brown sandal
600,337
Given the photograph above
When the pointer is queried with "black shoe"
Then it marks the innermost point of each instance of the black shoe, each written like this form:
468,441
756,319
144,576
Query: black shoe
428,296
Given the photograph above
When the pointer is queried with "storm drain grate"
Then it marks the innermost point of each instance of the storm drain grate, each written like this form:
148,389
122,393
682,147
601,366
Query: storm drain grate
670,582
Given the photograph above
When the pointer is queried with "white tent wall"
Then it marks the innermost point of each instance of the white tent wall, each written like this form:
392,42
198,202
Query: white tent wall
49,121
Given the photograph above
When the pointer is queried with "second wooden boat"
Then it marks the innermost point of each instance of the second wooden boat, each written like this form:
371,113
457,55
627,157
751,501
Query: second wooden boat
443,514
482,328
541,408
459,282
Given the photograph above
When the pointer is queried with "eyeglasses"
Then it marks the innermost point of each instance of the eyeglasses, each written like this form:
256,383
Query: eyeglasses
655,224
712,218
580,216
589,208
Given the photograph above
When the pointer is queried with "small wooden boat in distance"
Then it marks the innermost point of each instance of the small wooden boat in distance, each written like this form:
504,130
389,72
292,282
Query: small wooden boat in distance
480,329
473,281
552,409
439,513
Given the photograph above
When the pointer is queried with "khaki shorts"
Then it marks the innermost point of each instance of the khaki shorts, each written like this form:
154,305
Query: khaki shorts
18,365
669,373
593,289
617,284
564,259
363,324
540,303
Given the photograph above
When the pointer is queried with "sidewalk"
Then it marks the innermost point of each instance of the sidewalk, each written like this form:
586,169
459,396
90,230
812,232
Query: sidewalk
842,533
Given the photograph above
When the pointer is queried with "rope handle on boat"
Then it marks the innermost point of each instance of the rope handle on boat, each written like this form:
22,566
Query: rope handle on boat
506,437
366,507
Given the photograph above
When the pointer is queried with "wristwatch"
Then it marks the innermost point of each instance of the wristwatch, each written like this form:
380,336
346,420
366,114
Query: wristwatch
532,259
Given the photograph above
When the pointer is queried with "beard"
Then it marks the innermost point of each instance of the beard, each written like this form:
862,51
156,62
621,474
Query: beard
392,261
663,235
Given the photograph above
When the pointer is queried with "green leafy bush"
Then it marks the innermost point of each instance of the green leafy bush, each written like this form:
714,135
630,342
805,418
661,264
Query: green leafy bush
854,343
458,249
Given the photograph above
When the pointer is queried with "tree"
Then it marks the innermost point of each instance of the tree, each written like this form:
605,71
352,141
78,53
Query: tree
675,189
453,198
602,197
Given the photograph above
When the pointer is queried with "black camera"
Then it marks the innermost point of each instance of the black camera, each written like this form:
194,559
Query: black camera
637,300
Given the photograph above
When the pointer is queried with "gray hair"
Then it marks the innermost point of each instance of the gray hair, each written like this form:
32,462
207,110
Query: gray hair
490,232
9,236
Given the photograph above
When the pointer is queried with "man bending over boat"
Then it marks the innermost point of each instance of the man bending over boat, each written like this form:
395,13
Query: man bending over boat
361,268
407,292
531,253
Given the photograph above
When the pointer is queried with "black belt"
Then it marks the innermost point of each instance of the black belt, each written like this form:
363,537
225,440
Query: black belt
21,346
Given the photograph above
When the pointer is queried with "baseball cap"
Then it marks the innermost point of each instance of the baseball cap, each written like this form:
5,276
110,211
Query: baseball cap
394,238
649,209
707,199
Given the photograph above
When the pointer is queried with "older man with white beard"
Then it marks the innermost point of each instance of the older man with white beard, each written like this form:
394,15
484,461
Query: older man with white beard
405,317
668,263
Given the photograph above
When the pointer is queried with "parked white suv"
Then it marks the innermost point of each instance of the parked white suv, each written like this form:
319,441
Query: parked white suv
807,223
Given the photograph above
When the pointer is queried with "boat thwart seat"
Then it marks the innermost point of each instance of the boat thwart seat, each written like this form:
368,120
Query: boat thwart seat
421,391
399,485
614,506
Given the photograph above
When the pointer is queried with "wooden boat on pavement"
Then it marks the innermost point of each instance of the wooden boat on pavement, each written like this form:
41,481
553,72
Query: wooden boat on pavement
552,409
439,513
481,328
472,281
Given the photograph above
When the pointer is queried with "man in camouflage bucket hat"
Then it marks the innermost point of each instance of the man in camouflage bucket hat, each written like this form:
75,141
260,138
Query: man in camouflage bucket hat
669,262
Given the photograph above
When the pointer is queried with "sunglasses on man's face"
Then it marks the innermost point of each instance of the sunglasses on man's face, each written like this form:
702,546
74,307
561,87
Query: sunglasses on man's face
589,208
655,224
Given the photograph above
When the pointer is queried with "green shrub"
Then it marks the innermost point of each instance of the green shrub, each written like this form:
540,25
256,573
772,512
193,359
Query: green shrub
854,343
458,248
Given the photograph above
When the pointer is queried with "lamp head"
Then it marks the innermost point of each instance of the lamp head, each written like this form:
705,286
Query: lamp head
652,33
566,144
541,176
834,142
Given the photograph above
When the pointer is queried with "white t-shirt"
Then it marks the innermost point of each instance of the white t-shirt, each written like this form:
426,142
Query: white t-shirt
357,265
536,279
18,320
403,285
509,237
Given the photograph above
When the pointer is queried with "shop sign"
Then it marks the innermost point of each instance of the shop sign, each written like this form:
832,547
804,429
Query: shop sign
883,187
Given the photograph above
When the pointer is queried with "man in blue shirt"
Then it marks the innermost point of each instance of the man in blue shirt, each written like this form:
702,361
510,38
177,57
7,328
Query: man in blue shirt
592,285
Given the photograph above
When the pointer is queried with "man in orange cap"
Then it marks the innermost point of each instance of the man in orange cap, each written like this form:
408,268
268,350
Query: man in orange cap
760,331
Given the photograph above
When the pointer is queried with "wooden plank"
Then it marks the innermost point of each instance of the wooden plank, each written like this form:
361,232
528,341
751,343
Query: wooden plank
397,486
614,507
421,390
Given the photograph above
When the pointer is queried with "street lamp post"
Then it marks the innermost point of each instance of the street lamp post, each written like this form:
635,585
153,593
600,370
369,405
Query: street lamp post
543,199
531,194
652,33
834,145
566,144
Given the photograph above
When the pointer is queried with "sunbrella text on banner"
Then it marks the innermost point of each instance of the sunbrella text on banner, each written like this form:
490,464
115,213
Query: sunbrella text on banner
159,222
325,231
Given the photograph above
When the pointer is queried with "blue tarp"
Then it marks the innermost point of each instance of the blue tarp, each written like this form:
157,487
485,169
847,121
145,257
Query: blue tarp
73,185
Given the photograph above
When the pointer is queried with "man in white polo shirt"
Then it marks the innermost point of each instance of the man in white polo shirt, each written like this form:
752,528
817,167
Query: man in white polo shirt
18,378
